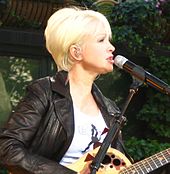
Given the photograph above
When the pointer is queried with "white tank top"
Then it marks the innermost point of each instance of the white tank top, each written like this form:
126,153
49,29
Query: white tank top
89,131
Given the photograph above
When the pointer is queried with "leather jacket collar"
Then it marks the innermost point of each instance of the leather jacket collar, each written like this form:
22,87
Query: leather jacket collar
60,85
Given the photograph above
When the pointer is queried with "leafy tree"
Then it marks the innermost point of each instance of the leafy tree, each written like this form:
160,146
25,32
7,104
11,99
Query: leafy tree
141,33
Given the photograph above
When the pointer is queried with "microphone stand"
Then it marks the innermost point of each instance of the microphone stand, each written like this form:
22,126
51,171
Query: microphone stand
115,129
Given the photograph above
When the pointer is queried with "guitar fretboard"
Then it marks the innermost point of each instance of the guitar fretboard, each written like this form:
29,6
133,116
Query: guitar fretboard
149,164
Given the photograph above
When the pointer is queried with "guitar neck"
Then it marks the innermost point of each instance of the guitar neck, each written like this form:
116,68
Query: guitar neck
149,164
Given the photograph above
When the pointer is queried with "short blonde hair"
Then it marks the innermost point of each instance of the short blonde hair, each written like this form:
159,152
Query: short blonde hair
69,26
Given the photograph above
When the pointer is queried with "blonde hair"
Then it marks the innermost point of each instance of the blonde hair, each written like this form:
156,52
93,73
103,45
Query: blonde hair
69,26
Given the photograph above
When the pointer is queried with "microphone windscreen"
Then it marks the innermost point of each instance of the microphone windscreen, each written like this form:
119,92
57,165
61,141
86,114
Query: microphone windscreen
119,61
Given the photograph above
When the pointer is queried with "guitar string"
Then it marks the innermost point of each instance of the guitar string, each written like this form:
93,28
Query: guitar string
167,156
150,160
160,159
162,155
145,166
153,161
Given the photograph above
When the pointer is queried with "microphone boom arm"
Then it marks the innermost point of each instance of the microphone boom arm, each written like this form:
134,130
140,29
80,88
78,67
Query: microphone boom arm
141,74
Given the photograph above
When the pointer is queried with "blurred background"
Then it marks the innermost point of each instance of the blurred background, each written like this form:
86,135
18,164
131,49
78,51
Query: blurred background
141,33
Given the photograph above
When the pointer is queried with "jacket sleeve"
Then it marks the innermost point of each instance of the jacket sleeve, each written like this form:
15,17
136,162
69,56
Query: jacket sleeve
19,132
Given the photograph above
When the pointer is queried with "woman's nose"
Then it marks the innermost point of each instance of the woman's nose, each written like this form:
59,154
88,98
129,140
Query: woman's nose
111,47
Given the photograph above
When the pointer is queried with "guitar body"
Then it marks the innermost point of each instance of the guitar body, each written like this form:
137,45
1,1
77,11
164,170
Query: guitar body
113,162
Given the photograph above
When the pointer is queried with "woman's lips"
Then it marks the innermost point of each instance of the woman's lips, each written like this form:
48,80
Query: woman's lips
110,59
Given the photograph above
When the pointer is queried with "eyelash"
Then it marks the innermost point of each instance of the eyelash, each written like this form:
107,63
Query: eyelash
101,40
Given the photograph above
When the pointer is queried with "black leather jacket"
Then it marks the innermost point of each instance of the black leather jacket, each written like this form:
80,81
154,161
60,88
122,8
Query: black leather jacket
41,128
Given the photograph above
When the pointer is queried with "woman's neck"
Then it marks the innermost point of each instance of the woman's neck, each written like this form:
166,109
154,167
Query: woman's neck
81,81
80,89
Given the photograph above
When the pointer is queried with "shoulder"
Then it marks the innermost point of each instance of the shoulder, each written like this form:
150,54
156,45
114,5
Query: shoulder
44,81
50,86
40,89
41,84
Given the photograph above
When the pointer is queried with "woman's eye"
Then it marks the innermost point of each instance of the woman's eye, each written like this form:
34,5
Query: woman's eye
101,40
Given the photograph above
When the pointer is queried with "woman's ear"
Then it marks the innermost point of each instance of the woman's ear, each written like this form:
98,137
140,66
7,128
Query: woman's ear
75,52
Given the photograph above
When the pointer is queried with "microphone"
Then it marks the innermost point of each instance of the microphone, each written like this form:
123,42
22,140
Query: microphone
139,73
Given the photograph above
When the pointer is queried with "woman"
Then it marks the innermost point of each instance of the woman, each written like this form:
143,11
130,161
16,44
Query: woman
64,116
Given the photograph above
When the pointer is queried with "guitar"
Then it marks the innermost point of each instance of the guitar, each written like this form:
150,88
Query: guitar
115,162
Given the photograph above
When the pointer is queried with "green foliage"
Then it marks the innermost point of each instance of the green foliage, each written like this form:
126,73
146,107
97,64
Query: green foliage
141,148
156,111
17,74
141,32
5,106
3,170
17,78
22,22
137,24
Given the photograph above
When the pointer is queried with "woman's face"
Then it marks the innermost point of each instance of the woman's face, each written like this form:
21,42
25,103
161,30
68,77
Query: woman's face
97,52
